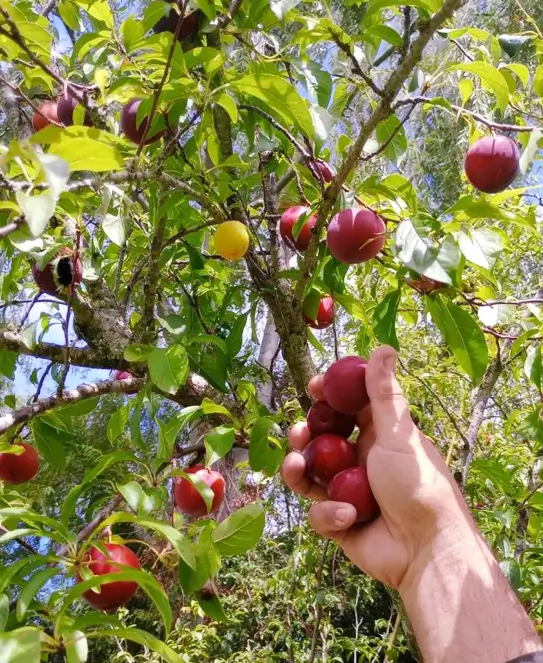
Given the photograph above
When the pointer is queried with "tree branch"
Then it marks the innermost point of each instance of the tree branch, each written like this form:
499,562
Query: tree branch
301,149
68,397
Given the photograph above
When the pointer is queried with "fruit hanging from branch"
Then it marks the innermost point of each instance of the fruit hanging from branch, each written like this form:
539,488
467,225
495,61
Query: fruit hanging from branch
17,469
289,219
188,499
352,486
356,235
326,171
322,418
66,105
48,114
189,22
492,163
326,456
133,129
324,316
231,240
344,385
61,273
110,595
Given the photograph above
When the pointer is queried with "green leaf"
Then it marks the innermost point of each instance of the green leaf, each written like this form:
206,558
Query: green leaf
132,493
20,646
530,151
532,365
37,210
31,587
495,471
77,409
83,148
315,341
462,335
281,7
490,75
143,578
56,172
117,423
537,82
229,106
179,542
280,97
384,319
8,361
76,646
33,518
18,533
137,352
208,562
481,247
139,636
49,441
115,228
219,442
392,131
436,262
70,14
68,506
4,611
235,337
266,452
209,407
212,607
375,6
169,367
240,531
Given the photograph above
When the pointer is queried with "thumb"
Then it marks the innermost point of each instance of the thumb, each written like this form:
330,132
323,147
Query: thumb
394,428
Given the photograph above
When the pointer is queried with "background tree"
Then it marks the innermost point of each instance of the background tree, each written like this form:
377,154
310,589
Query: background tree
164,305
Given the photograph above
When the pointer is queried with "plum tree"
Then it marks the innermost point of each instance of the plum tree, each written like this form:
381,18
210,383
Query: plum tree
187,497
325,314
322,418
62,272
356,235
19,468
231,240
492,163
110,595
48,114
344,385
133,129
288,221
326,455
352,486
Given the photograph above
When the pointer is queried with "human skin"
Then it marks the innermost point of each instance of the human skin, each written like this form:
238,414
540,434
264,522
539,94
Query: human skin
425,543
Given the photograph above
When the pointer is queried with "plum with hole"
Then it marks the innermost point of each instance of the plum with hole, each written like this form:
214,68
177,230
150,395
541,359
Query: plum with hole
231,240
16,469
326,171
322,419
325,314
63,272
48,114
288,221
326,456
111,595
133,130
344,385
187,497
353,486
356,235
492,163
122,375
66,106
168,23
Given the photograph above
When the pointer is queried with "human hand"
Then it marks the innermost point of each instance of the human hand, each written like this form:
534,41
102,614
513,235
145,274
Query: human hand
419,500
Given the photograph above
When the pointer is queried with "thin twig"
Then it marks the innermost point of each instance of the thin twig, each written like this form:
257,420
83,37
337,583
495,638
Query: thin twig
318,615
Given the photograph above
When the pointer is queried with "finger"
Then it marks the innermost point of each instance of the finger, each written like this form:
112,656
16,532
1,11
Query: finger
315,388
293,473
332,519
299,435
394,428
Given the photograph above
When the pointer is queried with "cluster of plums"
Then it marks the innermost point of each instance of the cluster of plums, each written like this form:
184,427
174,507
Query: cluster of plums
331,459
62,110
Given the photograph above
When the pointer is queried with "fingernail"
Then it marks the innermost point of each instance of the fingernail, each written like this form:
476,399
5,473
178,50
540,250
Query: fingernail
389,362
342,515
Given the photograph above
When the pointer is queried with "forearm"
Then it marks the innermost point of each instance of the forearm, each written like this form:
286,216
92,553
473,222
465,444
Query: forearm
461,607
